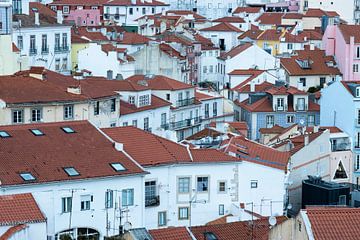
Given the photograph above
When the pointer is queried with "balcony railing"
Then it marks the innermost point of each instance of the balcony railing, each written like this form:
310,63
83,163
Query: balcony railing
32,51
61,49
184,123
148,129
340,147
280,108
152,201
45,50
301,107
165,126
185,102
357,145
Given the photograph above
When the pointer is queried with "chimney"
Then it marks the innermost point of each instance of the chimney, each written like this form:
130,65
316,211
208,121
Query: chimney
252,86
37,72
306,139
312,47
121,36
37,20
59,17
74,90
133,2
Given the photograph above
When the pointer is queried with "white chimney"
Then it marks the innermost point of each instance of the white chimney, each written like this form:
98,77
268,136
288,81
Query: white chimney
37,20
252,86
306,139
59,17
312,46
74,90
133,2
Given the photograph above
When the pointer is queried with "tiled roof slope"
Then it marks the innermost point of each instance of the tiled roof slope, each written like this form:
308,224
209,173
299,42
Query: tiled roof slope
178,233
19,209
236,50
159,82
156,150
333,223
46,156
156,102
350,30
222,27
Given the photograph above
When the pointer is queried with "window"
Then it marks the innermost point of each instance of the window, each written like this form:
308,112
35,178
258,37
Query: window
132,99
206,110
269,121
302,82
127,197
221,209
290,46
94,7
355,68
57,64
32,45
280,104
18,116
113,105
36,132
143,10
96,108
211,69
215,109
183,213
300,106
357,92
66,204
357,52
44,46
20,42
57,42
204,69
68,112
109,198
222,187
68,130
150,193
184,185
64,64
162,221
146,124
168,96
144,100
290,118
125,124
357,163
36,115
254,184
71,171
4,134
322,81
202,184
311,120
342,200
118,167
27,177
152,10
163,119
64,41
134,123
85,201
131,11
66,9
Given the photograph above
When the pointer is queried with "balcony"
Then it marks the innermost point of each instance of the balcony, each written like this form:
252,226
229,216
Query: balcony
152,201
184,123
45,50
148,129
280,108
32,51
61,49
340,147
106,16
301,107
117,16
165,126
185,102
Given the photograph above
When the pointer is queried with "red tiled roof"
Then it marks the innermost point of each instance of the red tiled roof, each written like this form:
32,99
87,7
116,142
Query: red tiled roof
19,209
290,38
270,35
349,31
230,20
247,10
42,9
236,50
15,48
333,223
11,231
310,35
166,48
206,132
159,82
138,3
292,15
318,13
251,73
252,34
318,63
157,150
156,102
79,2
82,32
299,141
222,27
270,18
262,87
130,38
257,153
276,129
50,153
186,12
203,96
178,233
238,125
332,129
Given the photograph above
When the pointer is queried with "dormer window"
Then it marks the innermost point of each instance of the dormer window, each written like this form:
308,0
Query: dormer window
357,92
304,63
132,99
144,100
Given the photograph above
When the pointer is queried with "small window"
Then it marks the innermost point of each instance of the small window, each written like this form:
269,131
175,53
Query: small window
202,184
358,92
85,202
222,187
109,198
254,184
118,167
71,171
290,119
221,209
4,134
66,203
162,221
113,105
68,130
37,132
27,177
127,197
183,213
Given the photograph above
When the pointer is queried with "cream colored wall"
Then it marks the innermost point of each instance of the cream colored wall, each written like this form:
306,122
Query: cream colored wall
291,229
10,62
75,48
311,23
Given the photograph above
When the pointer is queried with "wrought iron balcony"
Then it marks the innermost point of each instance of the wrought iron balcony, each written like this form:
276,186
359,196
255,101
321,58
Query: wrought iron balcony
152,201
184,123
301,107
45,50
32,51
185,102
340,147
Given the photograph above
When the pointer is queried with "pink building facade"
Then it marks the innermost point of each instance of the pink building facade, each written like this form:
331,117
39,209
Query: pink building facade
85,17
340,41
294,5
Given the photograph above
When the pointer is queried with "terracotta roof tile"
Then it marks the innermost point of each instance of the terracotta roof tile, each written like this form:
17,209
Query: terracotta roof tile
270,35
317,12
79,2
178,233
83,32
206,132
159,82
130,38
236,50
247,10
252,34
276,129
350,30
11,231
156,102
270,18
222,27
19,209
310,35
51,152
166,48
333,223
15,48
230,20
137,3
238,125
42,9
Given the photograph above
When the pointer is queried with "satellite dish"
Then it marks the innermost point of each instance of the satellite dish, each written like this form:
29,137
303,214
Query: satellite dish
272,221
127,226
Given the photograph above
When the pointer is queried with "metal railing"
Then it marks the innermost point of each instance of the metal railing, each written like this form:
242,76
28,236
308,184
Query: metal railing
32,51
301,107
185,102
61,49
340,147
152,201
45,50
184,123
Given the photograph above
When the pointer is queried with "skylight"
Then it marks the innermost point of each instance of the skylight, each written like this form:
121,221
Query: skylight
118,167
68,129
4,134
37,132
71,171
27,176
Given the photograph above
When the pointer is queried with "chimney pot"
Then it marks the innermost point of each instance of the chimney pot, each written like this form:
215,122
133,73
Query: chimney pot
37,19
